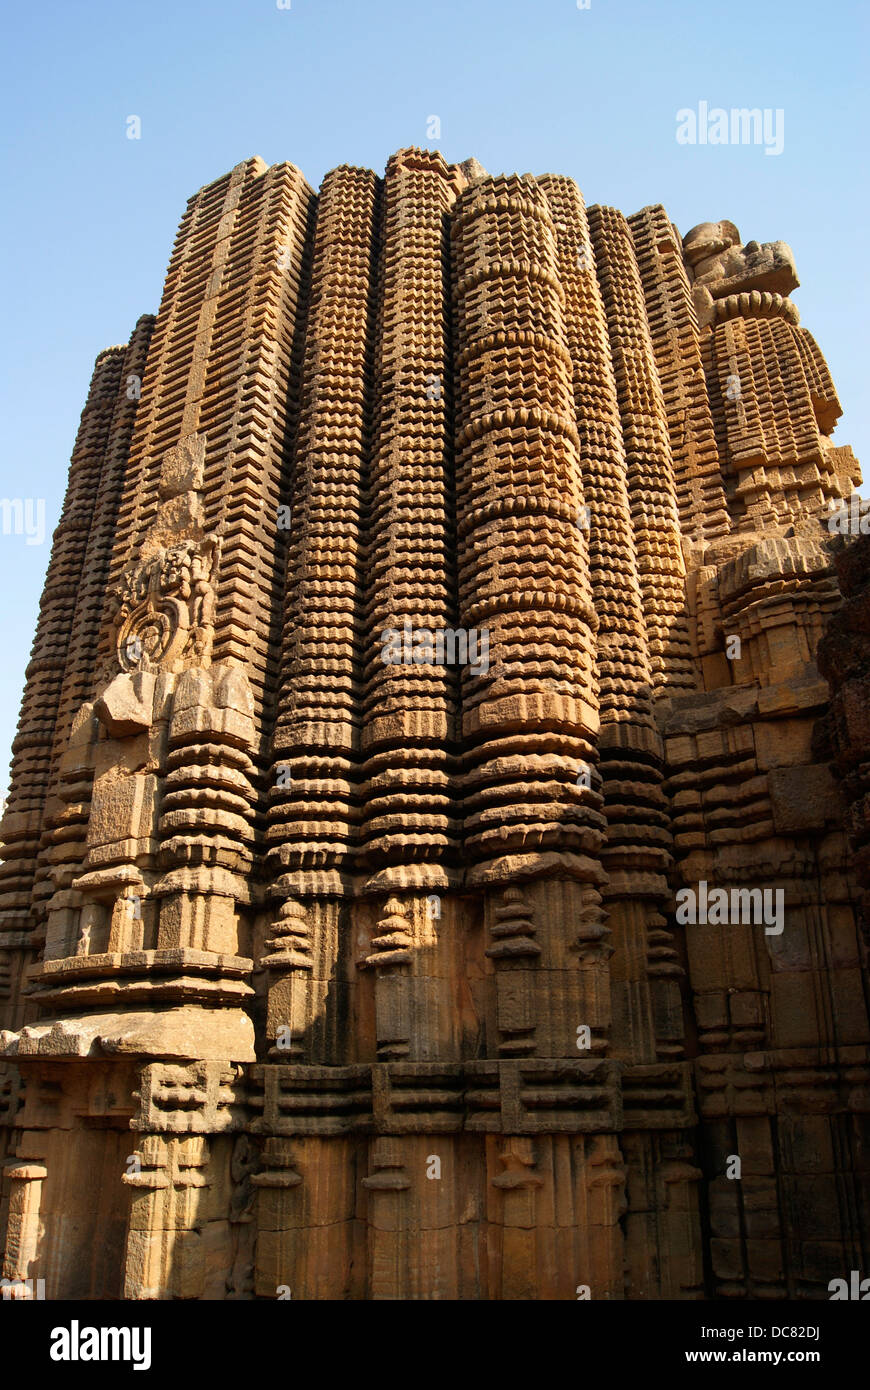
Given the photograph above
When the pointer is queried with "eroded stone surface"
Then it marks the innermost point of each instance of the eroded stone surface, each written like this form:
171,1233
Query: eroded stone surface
443,612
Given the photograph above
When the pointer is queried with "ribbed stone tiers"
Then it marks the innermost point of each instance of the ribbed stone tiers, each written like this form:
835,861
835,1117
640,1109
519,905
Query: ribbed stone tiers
435,600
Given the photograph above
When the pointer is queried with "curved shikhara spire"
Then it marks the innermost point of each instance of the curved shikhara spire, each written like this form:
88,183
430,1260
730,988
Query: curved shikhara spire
427,646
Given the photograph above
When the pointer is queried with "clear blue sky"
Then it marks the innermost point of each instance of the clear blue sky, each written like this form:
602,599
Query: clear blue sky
525,85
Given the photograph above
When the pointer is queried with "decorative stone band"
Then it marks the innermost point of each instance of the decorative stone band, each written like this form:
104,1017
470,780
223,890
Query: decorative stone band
751,1083
755,304
180,975
522,1096
190,1098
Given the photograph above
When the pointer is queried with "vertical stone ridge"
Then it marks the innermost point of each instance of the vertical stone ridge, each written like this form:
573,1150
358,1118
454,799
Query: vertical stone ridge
248,415
410,700
178,350
629,530
316,746
643,651
61,840
530,715
676,341
313,817
648,455
63,646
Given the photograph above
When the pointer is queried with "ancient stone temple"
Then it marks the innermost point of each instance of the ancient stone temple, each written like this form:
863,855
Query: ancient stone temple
435,861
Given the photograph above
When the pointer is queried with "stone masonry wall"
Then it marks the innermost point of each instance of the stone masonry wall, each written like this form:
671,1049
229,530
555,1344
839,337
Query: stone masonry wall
435,863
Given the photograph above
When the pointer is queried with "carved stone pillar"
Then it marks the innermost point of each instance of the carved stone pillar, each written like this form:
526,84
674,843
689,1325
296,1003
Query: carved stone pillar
518,1184
165,1257
279,1252
390,1235
290,966
24,1229
515,953
391,960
